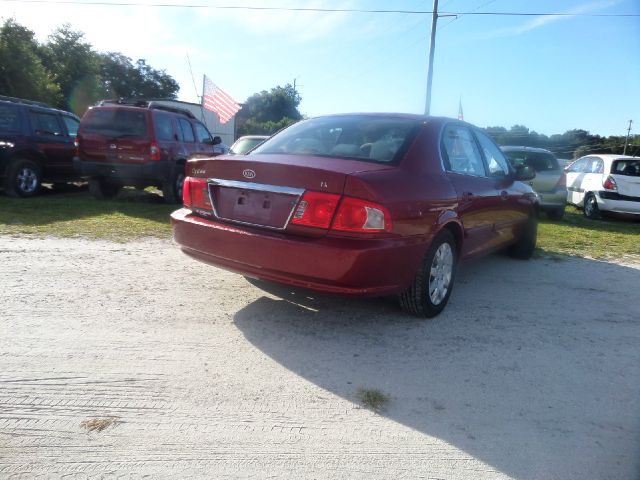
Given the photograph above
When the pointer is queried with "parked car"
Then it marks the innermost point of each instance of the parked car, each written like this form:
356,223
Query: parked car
36,145
550,181
362,204
140,144
246,143
605,183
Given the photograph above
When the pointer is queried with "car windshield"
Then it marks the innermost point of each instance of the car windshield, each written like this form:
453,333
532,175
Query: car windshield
371,138
539,161
630,168
116,123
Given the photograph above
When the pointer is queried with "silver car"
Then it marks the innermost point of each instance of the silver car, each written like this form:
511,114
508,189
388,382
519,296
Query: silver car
550,182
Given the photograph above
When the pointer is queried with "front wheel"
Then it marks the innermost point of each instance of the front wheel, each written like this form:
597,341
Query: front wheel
23,179
591,209
526,244
431,288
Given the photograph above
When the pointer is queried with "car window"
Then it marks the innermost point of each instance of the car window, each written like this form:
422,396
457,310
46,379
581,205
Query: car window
116,123
460,151
186,131
578,166
46,123
379,139
9,119
496,161
202,134
630,168
164,126
595,165
71,124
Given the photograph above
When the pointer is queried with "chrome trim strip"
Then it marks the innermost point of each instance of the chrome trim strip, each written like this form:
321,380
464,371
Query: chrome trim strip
261,187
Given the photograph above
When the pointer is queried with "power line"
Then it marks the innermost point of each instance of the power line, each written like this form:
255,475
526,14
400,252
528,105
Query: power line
328,10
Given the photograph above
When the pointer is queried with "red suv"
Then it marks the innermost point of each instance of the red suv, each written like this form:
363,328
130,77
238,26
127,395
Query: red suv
140,144
361,205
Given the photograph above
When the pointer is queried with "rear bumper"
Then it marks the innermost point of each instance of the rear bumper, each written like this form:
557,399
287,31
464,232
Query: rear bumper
349,266
149,173
614,202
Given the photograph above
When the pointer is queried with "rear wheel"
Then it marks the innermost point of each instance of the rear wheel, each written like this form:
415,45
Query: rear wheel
103,190
526,244
556,213
591,209
172,188
431,288
23,178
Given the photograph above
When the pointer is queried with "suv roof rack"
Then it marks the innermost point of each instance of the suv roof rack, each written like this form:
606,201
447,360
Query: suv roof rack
26,102
143,103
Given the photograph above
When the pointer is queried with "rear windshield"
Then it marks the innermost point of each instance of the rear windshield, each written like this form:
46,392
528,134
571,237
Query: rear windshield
116,123
539,161
631,168
378,139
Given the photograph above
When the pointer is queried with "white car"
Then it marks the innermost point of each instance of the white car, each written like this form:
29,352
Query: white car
599,183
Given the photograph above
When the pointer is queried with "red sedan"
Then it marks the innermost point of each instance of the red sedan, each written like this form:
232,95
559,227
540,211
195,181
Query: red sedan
361,204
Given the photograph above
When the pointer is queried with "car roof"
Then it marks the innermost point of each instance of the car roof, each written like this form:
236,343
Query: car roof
611,156
513,148
35,105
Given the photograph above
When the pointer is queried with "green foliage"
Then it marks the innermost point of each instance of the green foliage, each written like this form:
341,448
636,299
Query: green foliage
571,144
267,112
66,72
22,73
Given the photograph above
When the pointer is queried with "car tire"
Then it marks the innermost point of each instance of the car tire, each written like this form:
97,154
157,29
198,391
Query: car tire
525,246
590,208
172,188
431,288
556,214
103,190
23,178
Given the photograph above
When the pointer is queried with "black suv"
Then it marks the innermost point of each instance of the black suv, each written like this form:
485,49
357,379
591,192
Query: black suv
140,144
36,145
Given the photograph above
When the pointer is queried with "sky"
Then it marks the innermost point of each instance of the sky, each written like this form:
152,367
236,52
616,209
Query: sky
580,70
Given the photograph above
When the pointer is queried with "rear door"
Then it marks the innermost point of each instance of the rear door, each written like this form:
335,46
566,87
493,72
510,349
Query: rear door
575,175
165,134
188,147
50,135
205,146
626,173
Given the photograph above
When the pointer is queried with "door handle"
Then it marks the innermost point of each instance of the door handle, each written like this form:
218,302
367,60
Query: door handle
466,196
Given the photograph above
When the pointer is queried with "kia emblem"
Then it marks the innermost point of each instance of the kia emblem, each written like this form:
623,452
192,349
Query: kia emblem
248,173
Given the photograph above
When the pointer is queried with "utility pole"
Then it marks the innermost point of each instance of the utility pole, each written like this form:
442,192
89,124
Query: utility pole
624,152
432,48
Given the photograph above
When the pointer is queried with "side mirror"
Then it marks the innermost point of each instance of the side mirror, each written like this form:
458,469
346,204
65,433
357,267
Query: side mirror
217,140
524,173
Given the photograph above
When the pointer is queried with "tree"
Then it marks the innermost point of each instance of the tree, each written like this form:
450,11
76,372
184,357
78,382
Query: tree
22,73
122,79
75,67
268,112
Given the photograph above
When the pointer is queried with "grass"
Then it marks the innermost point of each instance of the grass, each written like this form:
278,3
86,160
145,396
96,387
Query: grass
372,399
133,214
607,238
138,214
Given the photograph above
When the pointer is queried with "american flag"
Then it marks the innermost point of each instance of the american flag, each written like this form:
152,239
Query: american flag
217,100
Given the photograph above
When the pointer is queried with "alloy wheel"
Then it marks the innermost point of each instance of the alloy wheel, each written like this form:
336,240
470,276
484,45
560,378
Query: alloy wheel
27,180
441,273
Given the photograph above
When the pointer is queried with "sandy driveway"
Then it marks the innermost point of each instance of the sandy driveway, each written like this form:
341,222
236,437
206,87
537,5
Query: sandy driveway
532,372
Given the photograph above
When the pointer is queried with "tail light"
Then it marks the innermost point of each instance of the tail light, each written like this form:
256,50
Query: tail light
318,209
195,193
355,215
609,183
562,182
154,151
76,147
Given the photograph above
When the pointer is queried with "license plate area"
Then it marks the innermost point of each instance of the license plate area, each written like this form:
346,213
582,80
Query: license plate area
253,204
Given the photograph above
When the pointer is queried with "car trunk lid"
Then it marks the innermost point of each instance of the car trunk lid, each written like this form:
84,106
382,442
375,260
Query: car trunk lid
626,174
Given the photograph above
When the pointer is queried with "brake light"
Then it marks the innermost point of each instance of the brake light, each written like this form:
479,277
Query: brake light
76,147
154,151
195,193
562,182
610,184
356,215
315,209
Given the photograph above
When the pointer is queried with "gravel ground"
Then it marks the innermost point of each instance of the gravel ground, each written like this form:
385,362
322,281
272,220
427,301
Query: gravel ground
134,361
